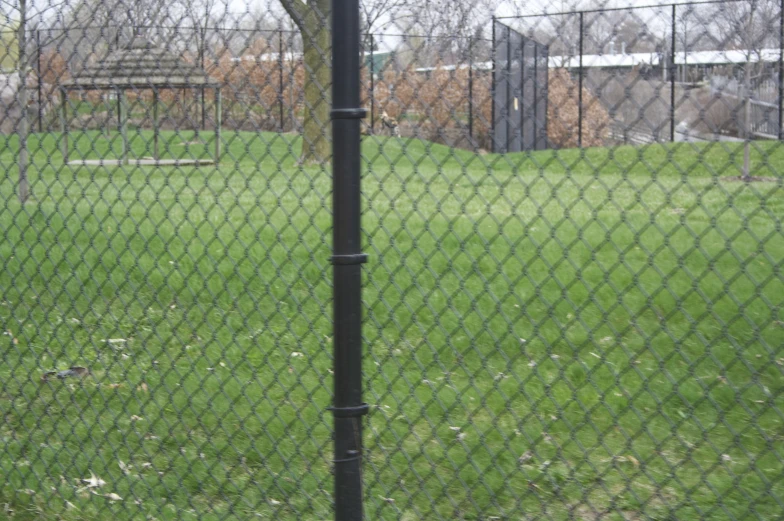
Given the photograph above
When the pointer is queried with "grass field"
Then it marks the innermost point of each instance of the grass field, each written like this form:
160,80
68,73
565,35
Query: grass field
558,335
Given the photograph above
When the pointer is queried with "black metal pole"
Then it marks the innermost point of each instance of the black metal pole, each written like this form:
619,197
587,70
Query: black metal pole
38,72
545,140
672,78
535,104
347,258
492,92
203,101
471,89
580,84
521,101
280,83
781,70
372,86
510,94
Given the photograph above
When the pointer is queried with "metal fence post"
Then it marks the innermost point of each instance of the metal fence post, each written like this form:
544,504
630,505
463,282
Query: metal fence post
471,90
347,259
123,125
580,84
64,125
38,66
521,103
510,94
492,90
202,60
781,70
672,78
218,123
280,82
372,85
155,129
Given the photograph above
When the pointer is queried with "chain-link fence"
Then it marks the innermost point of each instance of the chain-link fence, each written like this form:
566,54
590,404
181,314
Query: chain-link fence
572,301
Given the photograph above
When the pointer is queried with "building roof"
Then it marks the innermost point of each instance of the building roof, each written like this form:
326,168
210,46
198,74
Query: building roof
142,65
288,56
628,60
605,60
727,57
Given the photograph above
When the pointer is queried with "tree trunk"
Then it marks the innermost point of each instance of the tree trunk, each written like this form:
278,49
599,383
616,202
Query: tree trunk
313,22
23,127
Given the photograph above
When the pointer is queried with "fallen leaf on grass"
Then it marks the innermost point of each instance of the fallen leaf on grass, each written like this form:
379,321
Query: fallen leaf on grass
116,343
94,481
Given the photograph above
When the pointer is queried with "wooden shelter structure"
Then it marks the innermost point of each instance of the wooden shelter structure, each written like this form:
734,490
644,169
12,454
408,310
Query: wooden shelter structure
140,66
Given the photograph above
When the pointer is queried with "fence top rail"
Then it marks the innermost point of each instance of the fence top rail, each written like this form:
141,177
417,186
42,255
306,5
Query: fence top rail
252,29
607,9
170,27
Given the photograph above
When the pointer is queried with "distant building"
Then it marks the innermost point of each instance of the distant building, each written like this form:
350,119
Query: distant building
379,61
690,66
288,57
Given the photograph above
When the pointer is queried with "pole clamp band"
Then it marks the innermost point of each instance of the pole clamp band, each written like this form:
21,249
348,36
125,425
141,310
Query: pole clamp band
350,412
357,113
353,455
351,258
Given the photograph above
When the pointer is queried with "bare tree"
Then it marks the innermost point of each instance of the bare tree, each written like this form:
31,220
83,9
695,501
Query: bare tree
443,29
377,14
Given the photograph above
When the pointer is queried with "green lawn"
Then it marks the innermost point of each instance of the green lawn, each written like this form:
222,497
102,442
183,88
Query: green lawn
554,335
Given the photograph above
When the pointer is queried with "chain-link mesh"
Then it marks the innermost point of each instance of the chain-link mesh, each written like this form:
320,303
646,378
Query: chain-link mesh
574,289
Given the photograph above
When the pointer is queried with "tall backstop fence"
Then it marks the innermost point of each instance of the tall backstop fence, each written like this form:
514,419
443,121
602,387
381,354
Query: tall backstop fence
520,77
668,72
391,260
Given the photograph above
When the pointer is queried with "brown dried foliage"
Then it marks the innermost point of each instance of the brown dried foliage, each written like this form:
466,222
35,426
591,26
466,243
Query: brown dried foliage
431,106
563,113
438,103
